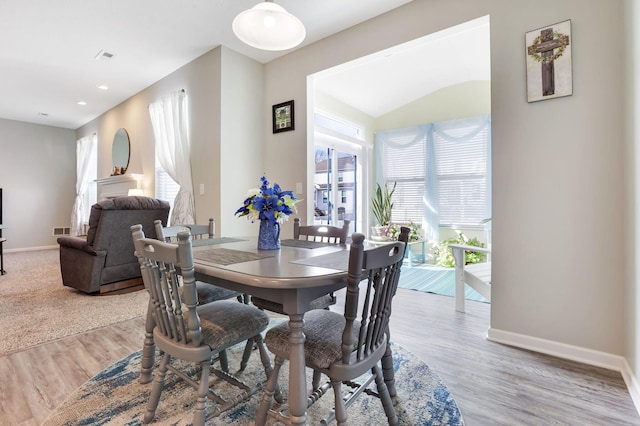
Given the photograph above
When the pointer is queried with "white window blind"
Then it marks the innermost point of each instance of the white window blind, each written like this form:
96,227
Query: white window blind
406,165
441,170
462,176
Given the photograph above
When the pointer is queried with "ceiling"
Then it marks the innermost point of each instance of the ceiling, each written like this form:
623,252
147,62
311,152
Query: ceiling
48,58
389,79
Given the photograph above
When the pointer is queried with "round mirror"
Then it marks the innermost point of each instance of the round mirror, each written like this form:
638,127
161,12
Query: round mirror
120,152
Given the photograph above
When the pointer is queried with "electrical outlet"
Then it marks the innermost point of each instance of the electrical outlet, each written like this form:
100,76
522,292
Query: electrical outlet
202,189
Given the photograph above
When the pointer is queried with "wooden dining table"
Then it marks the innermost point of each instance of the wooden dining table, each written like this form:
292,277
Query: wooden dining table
294,275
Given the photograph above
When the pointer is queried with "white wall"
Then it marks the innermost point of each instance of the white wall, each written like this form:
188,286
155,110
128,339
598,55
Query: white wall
38,178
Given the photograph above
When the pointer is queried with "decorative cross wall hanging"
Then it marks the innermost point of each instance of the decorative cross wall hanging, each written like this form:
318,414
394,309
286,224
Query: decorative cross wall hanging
549,68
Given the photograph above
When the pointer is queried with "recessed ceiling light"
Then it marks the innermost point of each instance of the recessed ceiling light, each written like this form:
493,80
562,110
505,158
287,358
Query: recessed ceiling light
102,87
82,103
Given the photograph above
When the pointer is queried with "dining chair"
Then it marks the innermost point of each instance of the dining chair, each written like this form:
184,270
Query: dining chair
321,234
206,293
191,332
170,233
345,346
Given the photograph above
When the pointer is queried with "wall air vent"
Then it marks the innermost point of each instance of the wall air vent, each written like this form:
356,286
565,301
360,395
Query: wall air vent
59,231
103,55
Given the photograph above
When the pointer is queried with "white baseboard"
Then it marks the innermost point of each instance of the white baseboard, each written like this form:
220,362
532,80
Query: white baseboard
16,250
574,353
632,384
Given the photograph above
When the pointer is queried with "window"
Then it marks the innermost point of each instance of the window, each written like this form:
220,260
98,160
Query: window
166,188
462,175
406,165
91,195
338,170
441,170
87,173
338,125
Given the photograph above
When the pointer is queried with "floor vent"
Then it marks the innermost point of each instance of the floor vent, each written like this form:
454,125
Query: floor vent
61,230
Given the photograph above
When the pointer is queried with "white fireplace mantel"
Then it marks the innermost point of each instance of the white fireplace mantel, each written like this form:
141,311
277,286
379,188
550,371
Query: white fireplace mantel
117,186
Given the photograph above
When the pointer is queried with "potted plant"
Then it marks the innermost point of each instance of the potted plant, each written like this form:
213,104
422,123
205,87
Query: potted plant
444,256
414,233
381,206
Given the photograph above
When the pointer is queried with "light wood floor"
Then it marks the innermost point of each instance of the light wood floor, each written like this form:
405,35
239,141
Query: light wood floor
492,383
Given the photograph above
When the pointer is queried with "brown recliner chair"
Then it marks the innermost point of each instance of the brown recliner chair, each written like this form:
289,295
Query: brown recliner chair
105,261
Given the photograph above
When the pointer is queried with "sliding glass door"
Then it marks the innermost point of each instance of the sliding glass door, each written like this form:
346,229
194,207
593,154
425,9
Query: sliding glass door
335,186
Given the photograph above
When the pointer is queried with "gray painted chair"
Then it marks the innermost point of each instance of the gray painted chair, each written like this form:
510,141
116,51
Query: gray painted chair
206,293
104,261
346,346
197,231
191,332
321,233
318,233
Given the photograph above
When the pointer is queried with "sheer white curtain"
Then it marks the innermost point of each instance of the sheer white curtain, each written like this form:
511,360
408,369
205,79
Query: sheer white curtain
442,170
86,150
173,149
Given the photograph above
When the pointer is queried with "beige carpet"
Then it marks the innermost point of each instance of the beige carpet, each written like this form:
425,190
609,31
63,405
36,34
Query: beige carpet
35,307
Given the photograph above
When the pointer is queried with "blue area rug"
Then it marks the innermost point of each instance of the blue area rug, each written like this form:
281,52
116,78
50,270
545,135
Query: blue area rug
433,279
114,397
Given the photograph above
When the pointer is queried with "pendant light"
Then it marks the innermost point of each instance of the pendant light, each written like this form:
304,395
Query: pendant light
268,26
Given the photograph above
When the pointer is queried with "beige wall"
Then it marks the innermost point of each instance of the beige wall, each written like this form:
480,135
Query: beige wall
38,178
558,182
631,240
559,186
459,101
201,80
243,122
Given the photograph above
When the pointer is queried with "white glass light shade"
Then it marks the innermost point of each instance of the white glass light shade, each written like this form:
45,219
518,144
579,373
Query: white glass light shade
268,26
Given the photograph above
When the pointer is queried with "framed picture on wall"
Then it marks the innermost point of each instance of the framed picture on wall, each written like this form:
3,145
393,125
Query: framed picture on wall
549,68
283,118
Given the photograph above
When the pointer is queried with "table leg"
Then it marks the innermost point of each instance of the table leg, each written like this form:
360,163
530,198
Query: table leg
297,376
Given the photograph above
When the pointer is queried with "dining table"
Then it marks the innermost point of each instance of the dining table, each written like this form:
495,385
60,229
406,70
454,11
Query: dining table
293,276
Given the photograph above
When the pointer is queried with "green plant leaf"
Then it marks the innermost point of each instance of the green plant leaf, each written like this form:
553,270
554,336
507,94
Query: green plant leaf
381,204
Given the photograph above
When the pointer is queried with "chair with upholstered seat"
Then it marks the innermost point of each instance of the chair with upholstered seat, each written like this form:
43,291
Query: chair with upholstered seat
104,260
206,293
321,234
188,331
344,347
